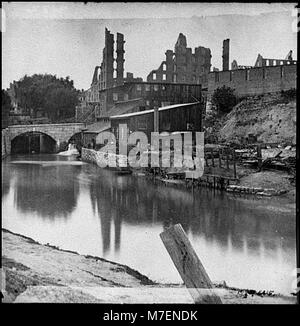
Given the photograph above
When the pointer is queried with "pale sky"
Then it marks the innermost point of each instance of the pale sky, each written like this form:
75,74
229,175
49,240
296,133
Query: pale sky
67,39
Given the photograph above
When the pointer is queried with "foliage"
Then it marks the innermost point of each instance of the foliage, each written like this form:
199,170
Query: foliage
224,99
47,95
289,94
6,106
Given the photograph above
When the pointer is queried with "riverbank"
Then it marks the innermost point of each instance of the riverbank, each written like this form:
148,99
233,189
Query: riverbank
249,181
43,273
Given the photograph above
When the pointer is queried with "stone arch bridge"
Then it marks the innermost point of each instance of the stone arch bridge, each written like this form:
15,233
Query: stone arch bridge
61,132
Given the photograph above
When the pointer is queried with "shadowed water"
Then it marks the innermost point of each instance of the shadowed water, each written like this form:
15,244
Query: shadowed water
248,243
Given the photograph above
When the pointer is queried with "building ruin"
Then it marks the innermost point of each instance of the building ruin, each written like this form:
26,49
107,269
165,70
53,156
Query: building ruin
225,55
265,76
182,65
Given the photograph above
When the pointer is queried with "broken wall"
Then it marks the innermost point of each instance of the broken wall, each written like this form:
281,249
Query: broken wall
182,65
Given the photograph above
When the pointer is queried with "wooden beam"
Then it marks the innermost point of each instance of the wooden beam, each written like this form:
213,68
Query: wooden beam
212,157
189,265
259,157
234,163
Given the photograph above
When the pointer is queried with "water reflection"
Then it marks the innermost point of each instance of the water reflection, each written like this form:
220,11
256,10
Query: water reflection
212,215
6,178
125,214
50,192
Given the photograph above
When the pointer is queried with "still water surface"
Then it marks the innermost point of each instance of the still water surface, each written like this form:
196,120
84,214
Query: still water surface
247,243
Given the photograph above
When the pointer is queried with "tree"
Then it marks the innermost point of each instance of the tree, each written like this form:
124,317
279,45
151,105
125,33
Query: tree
224,99
6,107
55,98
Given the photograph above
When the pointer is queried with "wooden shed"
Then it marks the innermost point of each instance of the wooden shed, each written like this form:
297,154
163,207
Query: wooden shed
172,118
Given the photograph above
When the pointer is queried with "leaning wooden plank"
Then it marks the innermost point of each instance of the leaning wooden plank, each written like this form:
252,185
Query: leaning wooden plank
189,265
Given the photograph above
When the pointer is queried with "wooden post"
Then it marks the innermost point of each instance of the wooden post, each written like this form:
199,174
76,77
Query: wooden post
220,159
189,265
206,161
212,157
227,161
156,119
234,163
259,157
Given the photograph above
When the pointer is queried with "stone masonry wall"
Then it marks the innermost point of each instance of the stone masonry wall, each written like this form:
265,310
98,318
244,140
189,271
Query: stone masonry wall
59,132
255,81
5,139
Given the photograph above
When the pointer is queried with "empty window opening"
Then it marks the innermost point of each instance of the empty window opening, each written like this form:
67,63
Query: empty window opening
164,67
164,77
154,76
216,77
281,72
247,74
267,62
115,96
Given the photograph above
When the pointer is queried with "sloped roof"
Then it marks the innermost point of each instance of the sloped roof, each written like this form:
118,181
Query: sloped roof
169,107
125,107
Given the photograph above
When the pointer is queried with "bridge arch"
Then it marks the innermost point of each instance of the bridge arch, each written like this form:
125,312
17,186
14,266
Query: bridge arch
33,142
60,133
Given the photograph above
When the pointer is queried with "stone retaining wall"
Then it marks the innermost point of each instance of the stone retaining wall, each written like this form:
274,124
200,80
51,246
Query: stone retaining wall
5,139
256,191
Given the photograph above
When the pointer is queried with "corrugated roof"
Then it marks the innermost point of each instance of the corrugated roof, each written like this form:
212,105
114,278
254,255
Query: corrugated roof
169,107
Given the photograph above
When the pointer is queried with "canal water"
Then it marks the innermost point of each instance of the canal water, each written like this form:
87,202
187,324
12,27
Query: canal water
76,206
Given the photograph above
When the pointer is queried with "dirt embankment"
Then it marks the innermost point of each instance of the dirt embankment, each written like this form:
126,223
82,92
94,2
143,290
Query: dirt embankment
271,118
41,273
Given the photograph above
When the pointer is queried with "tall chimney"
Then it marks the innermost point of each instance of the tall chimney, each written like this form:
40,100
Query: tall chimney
109,58
120,58
225,55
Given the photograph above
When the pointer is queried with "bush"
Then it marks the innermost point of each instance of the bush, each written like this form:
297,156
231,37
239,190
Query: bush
224,99
289,94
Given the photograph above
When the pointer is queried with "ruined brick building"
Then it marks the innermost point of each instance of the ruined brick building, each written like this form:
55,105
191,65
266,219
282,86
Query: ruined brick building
182,65
265,76
184,76
109,74
112,92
